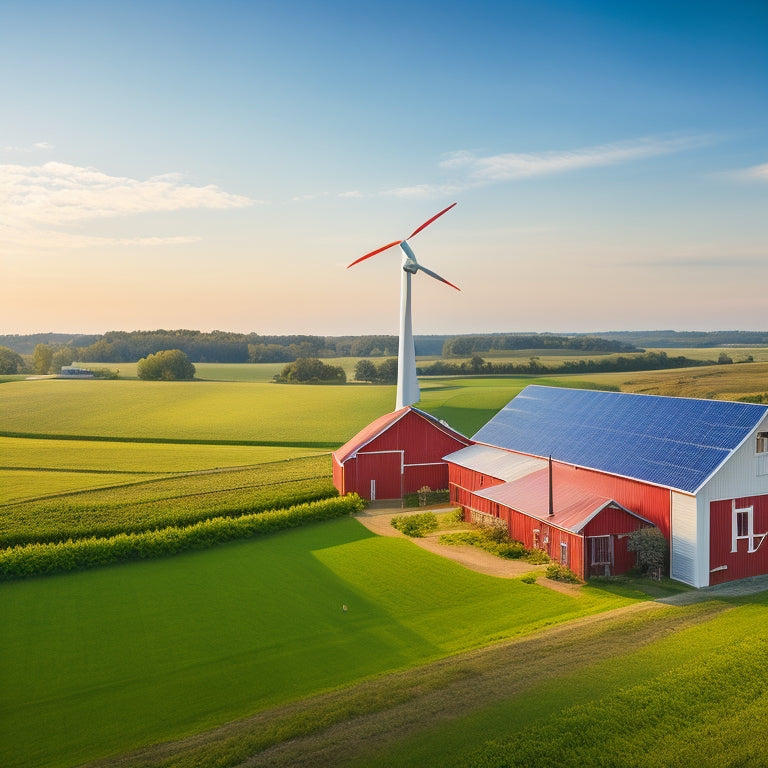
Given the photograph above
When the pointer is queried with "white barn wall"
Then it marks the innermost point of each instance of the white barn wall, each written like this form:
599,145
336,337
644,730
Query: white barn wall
745,473
686,541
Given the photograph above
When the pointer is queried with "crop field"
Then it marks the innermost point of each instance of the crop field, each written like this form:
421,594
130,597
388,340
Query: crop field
31,468
177,500
103,661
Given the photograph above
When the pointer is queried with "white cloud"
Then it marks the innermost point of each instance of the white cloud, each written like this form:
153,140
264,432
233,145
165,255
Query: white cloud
470,169
505,167
755,173
38,146
56,193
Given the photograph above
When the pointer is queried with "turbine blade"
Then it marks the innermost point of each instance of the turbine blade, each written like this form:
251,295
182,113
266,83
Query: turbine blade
437,277
427,223
373,253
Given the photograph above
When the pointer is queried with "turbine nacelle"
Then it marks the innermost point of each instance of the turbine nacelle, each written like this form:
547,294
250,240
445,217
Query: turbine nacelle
410,264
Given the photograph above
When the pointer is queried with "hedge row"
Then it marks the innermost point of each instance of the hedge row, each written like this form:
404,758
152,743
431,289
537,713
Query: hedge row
37,559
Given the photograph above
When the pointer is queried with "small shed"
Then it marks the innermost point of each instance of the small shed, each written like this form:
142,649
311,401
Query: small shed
395,455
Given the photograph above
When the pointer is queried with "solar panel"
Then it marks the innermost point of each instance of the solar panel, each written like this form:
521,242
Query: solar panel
670,441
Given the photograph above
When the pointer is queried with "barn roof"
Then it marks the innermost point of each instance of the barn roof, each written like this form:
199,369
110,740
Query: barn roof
674,442
495,462
573,506
381,425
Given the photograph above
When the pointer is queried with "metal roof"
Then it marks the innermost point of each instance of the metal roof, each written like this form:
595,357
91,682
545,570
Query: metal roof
573,506
670,441
496,462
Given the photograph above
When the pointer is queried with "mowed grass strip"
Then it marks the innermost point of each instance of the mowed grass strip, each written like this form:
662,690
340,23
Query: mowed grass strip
176,500
105,661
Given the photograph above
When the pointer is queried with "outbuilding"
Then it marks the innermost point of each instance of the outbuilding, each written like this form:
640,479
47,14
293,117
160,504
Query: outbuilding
397,454
696,469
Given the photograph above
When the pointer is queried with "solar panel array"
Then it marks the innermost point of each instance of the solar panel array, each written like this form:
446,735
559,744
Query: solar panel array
670,441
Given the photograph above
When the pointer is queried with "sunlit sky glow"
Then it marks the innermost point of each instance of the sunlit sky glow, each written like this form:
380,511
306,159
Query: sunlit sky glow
217,165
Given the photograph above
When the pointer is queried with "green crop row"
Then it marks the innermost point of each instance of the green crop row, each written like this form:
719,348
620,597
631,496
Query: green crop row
37,559
180,500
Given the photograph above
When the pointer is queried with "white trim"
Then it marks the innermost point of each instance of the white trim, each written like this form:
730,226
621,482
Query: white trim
375,453
750,535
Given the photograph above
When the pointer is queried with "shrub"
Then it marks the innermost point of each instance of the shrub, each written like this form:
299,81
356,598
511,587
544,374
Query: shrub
537,557
415,525
529,578
651,548
558,572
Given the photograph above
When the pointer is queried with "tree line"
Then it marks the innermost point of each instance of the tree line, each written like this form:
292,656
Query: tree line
649,361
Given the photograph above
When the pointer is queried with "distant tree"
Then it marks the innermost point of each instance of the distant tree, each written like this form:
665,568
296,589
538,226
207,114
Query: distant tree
63,356
365,370
10,361
42,358
386,371
310,370
166,365
476,364
724,359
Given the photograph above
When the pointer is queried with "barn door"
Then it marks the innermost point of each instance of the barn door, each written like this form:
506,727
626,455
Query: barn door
382,473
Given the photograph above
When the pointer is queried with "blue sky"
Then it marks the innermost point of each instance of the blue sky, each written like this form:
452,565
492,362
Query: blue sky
216,165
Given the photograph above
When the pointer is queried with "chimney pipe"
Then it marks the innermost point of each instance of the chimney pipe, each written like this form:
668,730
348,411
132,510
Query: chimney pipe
551,505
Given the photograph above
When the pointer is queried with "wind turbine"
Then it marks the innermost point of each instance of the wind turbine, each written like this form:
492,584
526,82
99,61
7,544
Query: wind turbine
407,382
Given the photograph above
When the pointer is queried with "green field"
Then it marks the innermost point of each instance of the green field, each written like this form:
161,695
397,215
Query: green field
103,661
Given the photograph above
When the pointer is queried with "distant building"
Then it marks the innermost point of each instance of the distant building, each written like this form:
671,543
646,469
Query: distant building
73,372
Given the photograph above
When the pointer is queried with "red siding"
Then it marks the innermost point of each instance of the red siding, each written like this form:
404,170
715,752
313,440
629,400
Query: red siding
648,501
616,523
742,563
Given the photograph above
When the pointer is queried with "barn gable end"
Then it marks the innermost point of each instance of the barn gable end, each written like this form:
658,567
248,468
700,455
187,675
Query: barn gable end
395,455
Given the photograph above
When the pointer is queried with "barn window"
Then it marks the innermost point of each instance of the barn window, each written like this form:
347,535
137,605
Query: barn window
762,442
563,553
601,550
743,527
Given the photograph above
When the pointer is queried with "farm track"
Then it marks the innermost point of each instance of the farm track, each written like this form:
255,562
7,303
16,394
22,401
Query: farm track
340,727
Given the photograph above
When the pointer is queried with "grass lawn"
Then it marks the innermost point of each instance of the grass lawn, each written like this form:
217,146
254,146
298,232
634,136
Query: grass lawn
103,661
693,696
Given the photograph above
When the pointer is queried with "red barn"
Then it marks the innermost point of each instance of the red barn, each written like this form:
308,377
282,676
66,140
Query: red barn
395,455
696,469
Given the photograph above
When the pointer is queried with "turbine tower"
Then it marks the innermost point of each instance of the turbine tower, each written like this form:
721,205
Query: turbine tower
407,382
